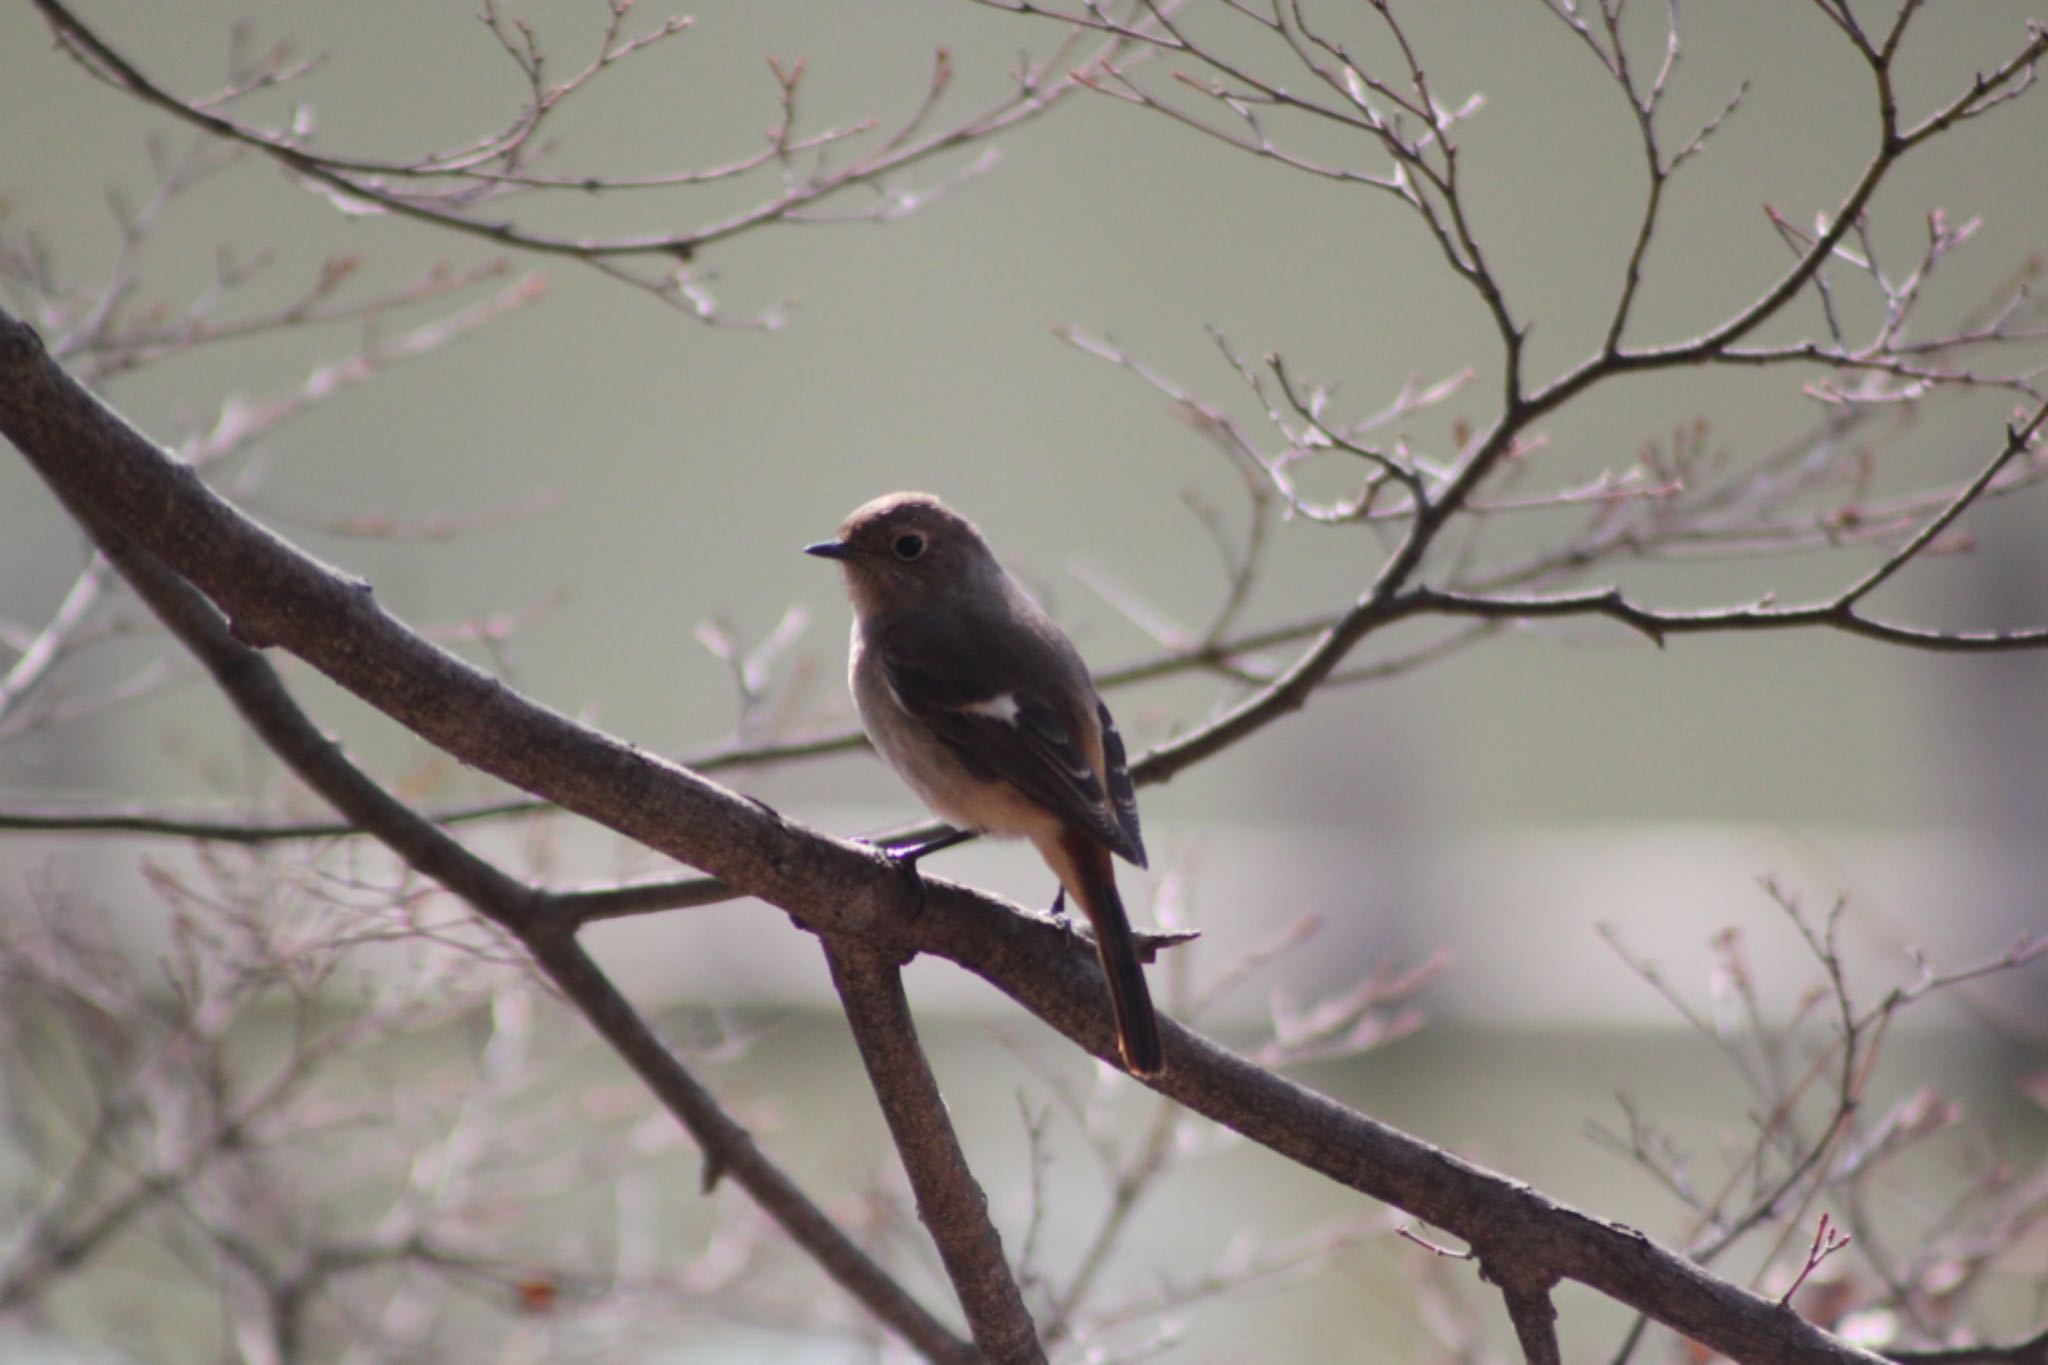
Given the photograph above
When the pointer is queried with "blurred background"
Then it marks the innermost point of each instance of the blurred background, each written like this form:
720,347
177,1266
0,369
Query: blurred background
628,482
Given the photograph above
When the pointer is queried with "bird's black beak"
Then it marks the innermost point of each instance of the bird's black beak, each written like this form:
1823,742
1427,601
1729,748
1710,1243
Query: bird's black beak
829,549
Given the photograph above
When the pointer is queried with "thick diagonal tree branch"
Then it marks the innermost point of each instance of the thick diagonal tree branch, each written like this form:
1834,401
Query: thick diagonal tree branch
269,592
257,692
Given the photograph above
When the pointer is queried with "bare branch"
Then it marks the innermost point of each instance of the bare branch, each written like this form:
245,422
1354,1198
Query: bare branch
950,1201
1535,1319
449,190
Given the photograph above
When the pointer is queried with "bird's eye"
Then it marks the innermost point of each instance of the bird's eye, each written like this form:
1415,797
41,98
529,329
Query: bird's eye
908,546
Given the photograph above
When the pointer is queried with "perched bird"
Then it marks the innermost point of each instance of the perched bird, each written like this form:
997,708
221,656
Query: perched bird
983,706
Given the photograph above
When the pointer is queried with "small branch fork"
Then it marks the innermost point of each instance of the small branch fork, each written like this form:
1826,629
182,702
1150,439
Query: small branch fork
1827,1240
2023,443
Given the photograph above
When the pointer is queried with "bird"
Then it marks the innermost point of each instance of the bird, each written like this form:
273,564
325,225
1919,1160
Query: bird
985,709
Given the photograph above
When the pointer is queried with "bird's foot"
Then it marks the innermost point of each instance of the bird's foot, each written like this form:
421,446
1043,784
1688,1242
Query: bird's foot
906,856
906,865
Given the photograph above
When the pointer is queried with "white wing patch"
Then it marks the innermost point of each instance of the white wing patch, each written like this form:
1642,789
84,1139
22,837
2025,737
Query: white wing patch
1002,706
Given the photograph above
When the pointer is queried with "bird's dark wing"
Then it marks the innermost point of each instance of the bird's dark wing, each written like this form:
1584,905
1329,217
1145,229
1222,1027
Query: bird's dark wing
1003,702
1123,797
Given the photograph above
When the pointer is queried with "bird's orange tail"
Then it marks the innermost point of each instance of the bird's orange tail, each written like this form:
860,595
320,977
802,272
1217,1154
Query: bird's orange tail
1091,879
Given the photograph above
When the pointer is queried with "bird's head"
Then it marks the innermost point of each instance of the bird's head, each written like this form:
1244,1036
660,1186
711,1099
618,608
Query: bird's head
905,550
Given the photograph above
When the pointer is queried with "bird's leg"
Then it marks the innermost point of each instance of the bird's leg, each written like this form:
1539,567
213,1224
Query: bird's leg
1059,905
910,853
906,858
